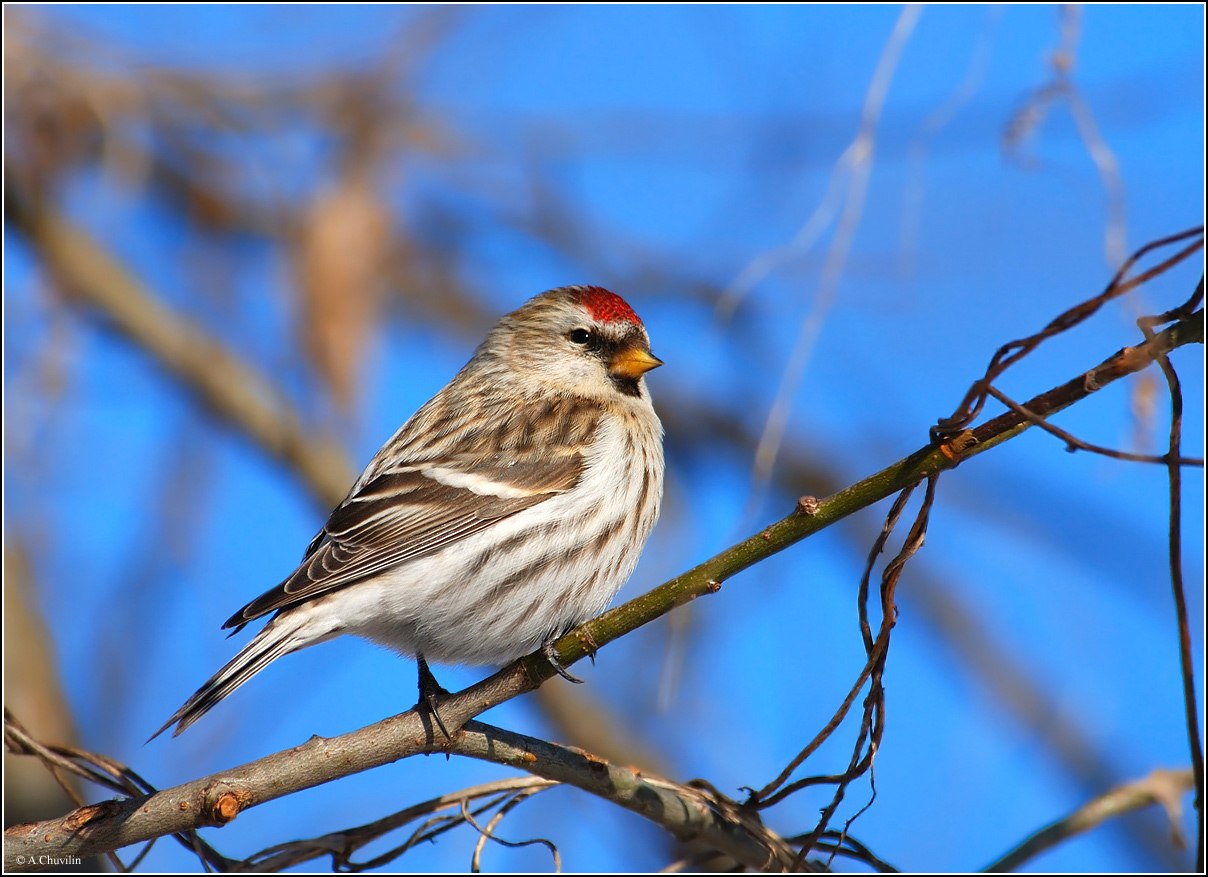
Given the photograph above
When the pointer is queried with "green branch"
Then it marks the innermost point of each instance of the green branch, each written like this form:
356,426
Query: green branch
813,515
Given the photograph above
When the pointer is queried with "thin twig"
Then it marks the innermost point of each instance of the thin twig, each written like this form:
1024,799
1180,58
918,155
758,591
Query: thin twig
1011,352
488,833
872,726
1186,659
105,772
853,168
1160,787
1073,443
341,845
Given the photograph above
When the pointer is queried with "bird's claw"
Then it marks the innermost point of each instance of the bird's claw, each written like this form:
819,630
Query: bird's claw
430,692
551,655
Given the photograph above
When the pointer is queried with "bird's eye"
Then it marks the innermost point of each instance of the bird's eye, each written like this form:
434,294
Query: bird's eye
580,336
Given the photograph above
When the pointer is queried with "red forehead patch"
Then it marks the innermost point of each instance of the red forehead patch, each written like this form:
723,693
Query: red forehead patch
607,307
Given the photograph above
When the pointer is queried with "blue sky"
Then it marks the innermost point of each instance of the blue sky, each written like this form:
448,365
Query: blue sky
683,142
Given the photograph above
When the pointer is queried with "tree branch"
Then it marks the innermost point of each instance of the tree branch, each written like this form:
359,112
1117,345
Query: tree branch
691,814
221,380
1163,787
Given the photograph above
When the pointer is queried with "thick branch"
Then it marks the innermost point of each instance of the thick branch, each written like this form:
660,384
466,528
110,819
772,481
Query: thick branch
216,799
690,814
222,382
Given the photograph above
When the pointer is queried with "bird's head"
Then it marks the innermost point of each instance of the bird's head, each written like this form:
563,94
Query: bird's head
580,340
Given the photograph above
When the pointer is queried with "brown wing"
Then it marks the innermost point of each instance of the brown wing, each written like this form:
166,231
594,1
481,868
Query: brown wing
412,511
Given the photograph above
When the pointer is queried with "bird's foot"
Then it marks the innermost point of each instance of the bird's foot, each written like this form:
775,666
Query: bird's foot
551,655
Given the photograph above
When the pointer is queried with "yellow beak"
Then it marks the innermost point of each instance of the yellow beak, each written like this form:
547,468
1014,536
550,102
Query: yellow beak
633,362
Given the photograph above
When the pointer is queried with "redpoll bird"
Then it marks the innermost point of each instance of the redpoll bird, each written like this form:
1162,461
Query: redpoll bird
509,509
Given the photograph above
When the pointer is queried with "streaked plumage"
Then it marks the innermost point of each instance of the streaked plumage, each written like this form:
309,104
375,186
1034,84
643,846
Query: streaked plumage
508,509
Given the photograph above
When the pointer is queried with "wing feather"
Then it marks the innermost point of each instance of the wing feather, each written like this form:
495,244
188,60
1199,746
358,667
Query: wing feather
415,509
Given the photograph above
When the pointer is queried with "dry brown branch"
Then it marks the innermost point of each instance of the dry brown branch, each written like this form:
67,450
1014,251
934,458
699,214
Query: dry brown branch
488,833
1073,443
872,724
221,381
1013,351
1165,787
342,845
1174,473
688,813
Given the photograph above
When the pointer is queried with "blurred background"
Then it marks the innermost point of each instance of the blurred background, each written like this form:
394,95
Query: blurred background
243,244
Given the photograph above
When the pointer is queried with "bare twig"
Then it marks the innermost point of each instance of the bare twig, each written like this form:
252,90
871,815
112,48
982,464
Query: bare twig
1174,472
872,726
846,196
488,833
342,845
845,845
103,771
1013,351
771,793
1073,443
1161,787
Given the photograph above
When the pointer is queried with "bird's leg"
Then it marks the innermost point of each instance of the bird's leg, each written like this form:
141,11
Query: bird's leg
551,655
429,692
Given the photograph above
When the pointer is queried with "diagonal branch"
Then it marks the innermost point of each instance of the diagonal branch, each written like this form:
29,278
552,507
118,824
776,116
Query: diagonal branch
1163,787
688,813
221,380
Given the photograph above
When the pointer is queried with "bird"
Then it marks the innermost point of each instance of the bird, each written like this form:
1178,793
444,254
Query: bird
506,511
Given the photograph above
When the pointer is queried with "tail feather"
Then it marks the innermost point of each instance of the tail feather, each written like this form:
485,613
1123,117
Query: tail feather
272,642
